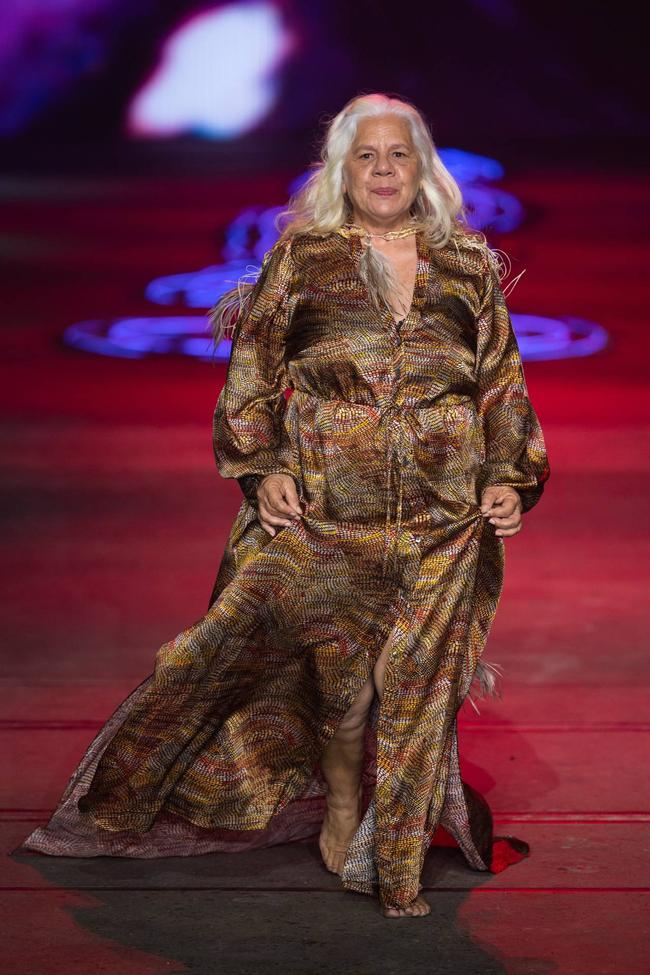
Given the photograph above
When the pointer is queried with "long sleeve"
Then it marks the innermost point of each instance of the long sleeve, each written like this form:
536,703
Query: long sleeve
515,453
247,423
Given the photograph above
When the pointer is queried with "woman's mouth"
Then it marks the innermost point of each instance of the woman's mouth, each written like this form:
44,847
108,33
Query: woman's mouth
385,191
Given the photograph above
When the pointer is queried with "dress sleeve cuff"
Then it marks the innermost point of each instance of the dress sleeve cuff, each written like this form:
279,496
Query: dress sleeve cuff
249,484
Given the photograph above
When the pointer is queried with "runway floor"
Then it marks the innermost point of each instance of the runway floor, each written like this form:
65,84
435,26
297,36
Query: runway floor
114,523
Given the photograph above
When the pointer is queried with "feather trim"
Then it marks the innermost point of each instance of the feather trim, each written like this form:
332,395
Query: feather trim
233,305
378,275
502,265
484,677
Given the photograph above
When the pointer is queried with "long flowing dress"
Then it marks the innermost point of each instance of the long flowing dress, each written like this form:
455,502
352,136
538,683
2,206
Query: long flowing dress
391,431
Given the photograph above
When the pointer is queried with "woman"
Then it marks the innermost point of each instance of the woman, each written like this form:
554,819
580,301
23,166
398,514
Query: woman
364,566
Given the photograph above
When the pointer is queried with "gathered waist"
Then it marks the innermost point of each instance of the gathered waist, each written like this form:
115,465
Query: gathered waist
395,427
389,404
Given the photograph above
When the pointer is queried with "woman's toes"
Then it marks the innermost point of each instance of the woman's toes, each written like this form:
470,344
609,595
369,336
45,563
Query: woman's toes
336,861
391,912
419,907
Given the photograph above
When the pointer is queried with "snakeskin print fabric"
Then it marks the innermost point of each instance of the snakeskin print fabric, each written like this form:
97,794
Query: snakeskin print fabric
391,431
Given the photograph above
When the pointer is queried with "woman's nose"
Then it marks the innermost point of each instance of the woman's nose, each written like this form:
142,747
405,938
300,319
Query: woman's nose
383,167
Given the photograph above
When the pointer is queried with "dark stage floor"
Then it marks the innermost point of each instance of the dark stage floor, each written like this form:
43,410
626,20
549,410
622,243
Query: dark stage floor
115,521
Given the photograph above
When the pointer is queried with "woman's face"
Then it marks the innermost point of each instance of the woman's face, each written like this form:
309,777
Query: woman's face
381,172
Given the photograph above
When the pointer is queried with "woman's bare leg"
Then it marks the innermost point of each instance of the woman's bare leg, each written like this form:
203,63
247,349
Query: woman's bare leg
341,764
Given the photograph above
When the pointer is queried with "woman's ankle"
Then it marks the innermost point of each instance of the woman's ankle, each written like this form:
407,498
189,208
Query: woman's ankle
347,798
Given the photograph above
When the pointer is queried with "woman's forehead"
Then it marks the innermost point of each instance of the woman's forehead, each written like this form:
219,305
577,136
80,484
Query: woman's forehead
381,128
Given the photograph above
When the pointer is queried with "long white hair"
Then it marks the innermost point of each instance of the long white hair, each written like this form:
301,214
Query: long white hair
321,206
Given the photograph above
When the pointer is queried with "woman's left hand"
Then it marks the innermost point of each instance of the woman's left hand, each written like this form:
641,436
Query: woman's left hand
501,505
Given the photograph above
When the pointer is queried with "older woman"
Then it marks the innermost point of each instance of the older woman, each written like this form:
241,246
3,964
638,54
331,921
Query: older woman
364,567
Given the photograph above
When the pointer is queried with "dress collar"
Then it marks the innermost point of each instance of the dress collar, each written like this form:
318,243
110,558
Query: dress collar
464,254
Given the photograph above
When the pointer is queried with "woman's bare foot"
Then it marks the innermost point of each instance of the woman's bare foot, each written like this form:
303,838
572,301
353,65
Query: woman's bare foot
417,908
341,822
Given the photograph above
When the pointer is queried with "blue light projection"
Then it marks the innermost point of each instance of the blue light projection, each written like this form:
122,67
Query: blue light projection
253,232
132,338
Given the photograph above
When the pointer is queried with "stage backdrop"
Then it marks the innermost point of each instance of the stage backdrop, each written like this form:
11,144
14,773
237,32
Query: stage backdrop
487,72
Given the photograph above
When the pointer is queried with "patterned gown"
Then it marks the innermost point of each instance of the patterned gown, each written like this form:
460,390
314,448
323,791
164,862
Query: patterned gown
390,431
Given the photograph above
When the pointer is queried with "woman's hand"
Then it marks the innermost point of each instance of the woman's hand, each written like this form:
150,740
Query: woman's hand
277,501
501,505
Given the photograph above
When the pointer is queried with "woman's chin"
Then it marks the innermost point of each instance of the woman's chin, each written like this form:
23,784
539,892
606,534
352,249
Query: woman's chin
387,212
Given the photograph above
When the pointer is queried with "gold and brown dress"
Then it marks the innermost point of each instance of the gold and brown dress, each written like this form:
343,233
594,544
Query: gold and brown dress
391,431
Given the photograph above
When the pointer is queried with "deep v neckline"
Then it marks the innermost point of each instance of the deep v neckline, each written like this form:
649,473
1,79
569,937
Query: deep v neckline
356,243
418,256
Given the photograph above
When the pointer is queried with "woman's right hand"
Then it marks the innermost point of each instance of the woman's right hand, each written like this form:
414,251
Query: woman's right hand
277,502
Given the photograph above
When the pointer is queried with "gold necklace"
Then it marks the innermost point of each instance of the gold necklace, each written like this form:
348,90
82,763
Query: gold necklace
389,235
